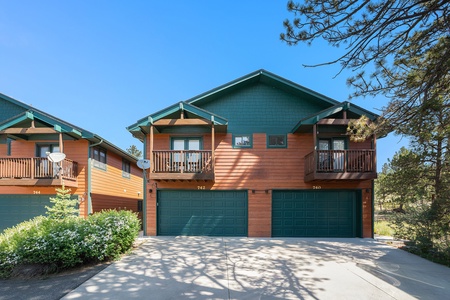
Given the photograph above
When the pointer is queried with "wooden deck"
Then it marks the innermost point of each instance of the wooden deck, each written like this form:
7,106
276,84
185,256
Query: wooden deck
340,165
37,171
182,165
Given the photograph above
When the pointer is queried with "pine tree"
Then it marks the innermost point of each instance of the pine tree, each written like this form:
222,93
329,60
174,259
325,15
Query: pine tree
63,205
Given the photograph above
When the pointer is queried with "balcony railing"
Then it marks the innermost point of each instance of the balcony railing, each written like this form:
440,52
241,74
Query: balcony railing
340,164
37,168
182,164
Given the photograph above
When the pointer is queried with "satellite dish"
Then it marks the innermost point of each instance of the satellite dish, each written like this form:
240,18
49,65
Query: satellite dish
144,164
56,157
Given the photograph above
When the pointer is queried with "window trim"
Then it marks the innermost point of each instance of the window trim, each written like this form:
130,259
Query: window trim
126,168
186,141
97,162
250,137
276,146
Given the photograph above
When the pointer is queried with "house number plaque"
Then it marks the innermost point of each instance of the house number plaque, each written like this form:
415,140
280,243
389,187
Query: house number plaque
317,187
201,187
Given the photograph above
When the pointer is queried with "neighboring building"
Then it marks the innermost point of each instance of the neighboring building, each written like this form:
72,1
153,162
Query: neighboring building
99,174
260,156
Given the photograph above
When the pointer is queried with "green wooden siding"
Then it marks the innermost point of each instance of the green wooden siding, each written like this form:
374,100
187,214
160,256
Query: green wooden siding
262,108
9,110
15,209
209,213
312,213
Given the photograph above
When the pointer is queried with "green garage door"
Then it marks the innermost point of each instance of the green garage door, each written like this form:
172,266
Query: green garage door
313,213
15,209
211,213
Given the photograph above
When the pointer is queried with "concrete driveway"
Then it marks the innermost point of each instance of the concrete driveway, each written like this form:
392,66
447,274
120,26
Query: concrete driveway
257,268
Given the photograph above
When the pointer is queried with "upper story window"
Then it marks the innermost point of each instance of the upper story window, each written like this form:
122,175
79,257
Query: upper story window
126,168
276,141
242,141
99,156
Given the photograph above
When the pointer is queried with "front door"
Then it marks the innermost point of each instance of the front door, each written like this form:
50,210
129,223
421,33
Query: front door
331,155
45,168
185,158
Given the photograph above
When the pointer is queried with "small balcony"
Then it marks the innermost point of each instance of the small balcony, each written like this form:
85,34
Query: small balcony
182,165
340,165
38,171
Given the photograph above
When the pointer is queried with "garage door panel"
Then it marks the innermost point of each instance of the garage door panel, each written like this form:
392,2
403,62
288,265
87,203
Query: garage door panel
15,209
311,213
214,213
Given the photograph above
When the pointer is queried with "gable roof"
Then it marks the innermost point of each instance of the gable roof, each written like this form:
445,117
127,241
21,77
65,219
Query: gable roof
354,110
47,120
189,111
260,76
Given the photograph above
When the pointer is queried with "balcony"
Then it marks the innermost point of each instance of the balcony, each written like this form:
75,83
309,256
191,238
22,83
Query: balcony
340,165
37,171
182,165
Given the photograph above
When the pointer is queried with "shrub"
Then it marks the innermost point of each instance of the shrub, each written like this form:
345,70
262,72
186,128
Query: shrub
61,244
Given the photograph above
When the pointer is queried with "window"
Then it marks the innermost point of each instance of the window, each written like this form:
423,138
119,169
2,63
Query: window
8,145
126,169
99,156
140,207
276,141
242,141
331,154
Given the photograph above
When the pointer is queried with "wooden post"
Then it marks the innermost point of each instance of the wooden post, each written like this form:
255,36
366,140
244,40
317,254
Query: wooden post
315,159
212,146
61,145
152,161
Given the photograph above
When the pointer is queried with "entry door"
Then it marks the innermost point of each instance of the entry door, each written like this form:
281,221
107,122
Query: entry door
185,160
338,159
331,160
44,167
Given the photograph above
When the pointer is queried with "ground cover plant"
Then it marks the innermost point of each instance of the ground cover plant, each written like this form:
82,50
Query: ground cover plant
48,245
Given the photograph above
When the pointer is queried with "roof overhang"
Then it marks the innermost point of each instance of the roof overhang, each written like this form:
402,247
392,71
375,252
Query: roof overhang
179,114
354,112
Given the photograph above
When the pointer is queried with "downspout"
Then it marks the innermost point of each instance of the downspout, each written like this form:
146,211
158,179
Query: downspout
144,203
89,175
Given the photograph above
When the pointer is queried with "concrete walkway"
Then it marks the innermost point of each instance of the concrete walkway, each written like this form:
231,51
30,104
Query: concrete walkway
256,268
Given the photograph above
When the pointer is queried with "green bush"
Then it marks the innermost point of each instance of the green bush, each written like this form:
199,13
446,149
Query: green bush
61,244
383,228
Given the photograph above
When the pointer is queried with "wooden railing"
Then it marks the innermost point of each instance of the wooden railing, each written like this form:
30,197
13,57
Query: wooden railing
37,168
182,161
340,161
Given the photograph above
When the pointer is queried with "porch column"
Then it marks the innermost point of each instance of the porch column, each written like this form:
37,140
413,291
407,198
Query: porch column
61,145
212,145
152,162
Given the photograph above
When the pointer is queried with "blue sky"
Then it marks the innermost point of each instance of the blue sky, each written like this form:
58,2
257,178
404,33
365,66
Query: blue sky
102,65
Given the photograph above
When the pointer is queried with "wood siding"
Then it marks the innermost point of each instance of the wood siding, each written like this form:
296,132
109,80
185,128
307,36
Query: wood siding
107,185
261,170
110,182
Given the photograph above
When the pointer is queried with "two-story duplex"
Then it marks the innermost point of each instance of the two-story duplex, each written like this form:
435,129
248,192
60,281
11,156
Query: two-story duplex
98,173
260,156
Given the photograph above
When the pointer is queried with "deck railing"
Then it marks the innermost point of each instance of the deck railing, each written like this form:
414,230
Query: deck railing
340,161
182,161
37,168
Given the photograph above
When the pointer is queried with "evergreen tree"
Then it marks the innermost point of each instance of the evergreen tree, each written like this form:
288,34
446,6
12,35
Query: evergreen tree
133,150
63,205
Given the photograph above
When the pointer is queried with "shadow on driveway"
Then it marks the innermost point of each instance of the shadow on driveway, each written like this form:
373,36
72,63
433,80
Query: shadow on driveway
257,268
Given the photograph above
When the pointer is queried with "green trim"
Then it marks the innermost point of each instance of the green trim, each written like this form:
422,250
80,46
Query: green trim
144,203
313,119
186,141
143,123
15,120
250,140
259,76
373,207
89,183
276,146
